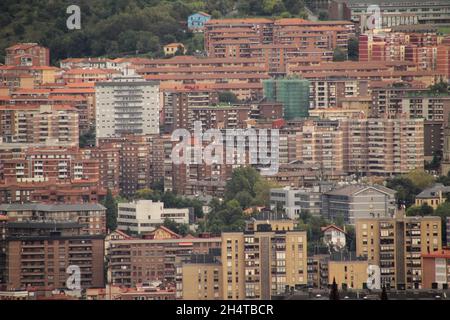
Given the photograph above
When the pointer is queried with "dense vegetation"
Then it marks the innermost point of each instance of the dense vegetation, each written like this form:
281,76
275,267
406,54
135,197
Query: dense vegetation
121,27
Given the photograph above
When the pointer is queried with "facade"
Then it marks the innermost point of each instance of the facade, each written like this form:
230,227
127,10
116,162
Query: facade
134,261
27,55
200,278
42,124
359,201
126,105
433,196
91,216
39,253
196,21
404,12
380,146
292,93
295,201
49,175
174,48
436,269
257,265
396,245
145,215
334,236
348,274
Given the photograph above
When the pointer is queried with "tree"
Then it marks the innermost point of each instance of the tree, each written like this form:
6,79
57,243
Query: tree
353,49
147,194
420,178
87,139
334,292
443,211
228,97
423,210
384,295
244,198
323,15
179,228
406,190
339,55
111,211
440,87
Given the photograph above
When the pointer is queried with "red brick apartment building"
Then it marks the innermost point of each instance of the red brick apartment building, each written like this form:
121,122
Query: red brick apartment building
275,42
38,254
27,54
48,174
133,261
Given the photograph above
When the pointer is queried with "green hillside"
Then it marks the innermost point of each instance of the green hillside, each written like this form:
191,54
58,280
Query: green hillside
121,27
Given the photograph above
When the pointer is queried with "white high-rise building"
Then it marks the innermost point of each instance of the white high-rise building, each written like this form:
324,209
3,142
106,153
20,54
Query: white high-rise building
127,105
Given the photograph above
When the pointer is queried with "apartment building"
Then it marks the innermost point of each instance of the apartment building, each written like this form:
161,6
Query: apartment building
295,201
27,55
141,161
126,105
135,261
320,144
420,48
200,278
436,269
424,12
84,75
39,124
358,201
259,264
396,245
293,93
108,156
92,217
235,37
380,146
177,104
222,116
242,76
143,216
348,274
39,253
48,174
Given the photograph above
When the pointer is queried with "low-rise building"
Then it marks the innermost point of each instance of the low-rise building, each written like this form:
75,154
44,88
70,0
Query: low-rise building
144,215
436,269
359,201
92,216
334,236
433,196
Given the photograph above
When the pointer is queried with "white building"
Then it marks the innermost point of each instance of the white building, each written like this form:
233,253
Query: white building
335,236
127,105
145,215
299,200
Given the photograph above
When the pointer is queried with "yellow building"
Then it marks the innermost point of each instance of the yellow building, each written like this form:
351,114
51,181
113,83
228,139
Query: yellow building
352,274
172,48
434,196
257,265
396,245
201,281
